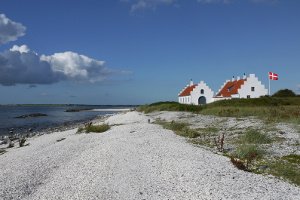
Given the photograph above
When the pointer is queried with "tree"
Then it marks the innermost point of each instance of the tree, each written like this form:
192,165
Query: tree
284,93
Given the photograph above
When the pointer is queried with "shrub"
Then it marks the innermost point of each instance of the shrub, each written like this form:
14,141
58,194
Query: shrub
284,93
248,153
22,142
94,128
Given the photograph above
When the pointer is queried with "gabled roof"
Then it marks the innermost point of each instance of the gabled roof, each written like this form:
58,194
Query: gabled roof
231,88
187,91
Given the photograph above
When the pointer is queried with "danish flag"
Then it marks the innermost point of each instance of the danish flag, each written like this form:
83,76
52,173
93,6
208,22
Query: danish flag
273,76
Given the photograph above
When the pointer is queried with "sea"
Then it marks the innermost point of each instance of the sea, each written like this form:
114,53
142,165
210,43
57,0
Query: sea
56,117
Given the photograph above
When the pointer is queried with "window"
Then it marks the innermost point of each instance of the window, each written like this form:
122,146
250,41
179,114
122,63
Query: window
248,96
252,89
230,88
202,91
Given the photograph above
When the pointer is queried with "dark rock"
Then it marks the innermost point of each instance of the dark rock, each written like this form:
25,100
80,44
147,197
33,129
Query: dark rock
77,109
31,115
282,132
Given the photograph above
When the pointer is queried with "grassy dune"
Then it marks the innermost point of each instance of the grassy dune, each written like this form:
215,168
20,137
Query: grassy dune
271,109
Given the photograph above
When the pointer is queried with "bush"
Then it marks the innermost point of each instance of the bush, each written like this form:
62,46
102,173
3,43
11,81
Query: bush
22,142
247,154
94,128
284,93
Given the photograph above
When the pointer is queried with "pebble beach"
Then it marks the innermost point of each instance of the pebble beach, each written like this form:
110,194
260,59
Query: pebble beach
133,160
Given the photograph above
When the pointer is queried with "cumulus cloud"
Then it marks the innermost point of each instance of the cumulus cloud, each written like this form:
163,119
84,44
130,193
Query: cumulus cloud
20,65
10,30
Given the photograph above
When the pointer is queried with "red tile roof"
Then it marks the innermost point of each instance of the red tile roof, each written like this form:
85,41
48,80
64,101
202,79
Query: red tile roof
231,87
187,91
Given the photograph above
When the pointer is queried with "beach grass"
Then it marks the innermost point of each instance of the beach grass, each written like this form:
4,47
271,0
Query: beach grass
270,109
94,128
252,136
286,167
180,128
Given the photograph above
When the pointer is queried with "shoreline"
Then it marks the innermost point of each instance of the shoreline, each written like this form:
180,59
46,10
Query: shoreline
135,159
4,139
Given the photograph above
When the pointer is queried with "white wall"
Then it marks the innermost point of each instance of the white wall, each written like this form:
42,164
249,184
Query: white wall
252,81
184,100
196,93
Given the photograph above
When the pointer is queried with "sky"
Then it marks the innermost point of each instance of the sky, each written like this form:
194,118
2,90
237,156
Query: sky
142,51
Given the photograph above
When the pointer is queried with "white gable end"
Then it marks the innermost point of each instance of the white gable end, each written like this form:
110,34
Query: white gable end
202,94
252,88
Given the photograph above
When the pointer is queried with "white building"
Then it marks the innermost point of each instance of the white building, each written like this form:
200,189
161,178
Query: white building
196,94
247,87
199,94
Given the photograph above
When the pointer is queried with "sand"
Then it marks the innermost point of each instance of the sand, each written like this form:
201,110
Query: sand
133,160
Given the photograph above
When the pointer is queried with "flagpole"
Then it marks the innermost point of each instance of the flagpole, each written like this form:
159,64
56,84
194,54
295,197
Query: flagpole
269,86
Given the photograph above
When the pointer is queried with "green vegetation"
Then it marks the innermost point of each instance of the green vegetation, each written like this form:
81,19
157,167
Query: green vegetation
179,128
169,106
254,137
270,109
22,142
286,167
94,128
292,158
284,93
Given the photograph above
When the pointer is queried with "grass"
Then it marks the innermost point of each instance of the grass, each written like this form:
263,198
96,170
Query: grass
94,128
287,168
180,128
270,109
169,106
254,137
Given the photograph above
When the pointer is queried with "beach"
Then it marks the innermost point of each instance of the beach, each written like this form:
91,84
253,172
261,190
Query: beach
135,159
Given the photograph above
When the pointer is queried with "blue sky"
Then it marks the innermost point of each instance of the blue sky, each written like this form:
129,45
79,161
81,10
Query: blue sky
142,51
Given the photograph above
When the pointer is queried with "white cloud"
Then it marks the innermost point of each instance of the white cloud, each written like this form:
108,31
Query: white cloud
10,30
78,67
214,1
21,49
148,4
153,4
20,65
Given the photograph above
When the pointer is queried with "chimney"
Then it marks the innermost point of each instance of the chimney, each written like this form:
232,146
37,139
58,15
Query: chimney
191,82
232,78
244,76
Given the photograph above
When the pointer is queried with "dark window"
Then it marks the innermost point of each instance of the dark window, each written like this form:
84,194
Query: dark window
202,91
248,97
230,88
252,89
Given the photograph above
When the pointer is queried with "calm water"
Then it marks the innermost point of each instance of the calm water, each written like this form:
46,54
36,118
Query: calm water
56,117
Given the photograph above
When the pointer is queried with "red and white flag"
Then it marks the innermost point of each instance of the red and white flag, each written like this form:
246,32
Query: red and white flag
273,76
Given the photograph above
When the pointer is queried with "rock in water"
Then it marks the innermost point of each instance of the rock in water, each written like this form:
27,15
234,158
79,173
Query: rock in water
32,115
